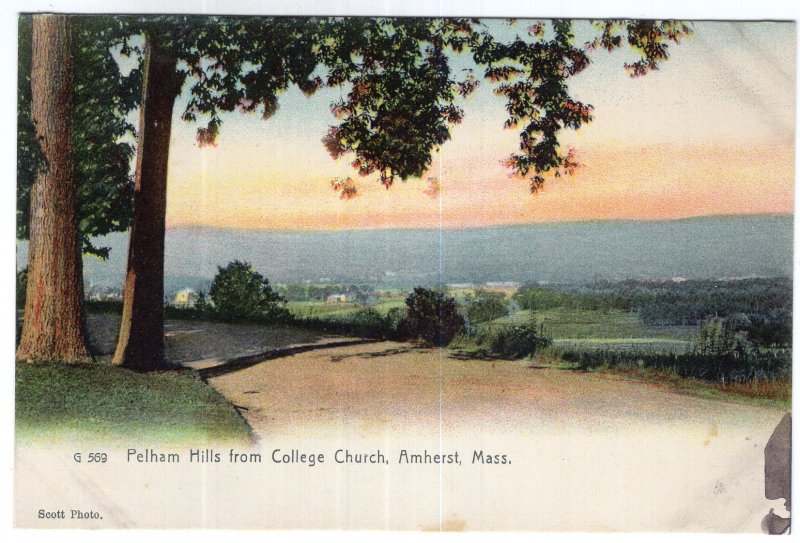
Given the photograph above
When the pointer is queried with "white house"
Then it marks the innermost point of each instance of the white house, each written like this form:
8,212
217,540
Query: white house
185,298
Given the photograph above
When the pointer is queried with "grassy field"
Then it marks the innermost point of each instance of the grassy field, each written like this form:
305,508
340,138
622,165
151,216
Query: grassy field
579,323
769,393
599,329
57,402
619,332
570,328
323,309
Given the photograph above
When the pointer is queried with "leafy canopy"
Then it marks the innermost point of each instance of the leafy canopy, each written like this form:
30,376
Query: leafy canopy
240,293
484,305
402,93
403,97
432,316
102,97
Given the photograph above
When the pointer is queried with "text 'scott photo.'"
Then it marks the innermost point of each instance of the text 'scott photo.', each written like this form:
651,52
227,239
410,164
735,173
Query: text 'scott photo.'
404,273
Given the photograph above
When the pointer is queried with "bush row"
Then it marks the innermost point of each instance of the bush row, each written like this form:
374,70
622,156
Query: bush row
730,367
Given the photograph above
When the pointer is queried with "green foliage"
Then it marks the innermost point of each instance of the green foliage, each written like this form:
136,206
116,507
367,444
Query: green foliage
102,98
518,341
402,98
505,341
737,366
432,316
367,317
714,337
738,322
240,293
22,287
402,94
534,73
228,63
395,317
367,323
722,352
359,294
484,305
364,322
201,305
540,298
761,307
772,328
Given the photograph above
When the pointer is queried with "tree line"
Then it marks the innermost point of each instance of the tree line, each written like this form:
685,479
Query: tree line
401,97
760,306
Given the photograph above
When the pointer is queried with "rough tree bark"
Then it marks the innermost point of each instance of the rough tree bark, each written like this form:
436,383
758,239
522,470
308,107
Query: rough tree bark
141,335
52,329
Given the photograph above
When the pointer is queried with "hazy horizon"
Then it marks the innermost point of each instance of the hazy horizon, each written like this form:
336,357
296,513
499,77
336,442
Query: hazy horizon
567,252
498,225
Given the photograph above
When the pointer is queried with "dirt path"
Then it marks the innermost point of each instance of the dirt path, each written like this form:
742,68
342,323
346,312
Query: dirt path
391,386
586,451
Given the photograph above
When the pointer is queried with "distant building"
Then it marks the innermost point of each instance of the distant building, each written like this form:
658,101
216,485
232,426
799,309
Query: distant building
337,299
103,294
460,286
503,285
185,298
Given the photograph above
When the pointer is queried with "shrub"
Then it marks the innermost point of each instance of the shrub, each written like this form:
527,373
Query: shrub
719,355
240,293
774,328
22,286
366,321
394,317
738,366
714,337
517,341
432,317
485,306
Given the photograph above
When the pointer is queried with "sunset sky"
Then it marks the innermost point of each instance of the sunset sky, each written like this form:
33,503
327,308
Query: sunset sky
711,133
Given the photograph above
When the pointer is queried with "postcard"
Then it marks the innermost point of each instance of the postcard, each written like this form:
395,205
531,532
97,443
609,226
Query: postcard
404,273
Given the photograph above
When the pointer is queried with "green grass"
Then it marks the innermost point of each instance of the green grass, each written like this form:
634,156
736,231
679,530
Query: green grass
58,402
319,309
768,393
626,343
579,323
620,331
595,325
622,341
324,310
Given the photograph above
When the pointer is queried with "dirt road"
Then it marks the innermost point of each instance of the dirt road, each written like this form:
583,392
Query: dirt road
584,451
393,386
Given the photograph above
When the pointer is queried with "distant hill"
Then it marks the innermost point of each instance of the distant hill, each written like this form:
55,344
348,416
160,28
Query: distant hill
709,247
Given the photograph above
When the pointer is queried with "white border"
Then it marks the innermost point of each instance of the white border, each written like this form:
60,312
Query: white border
685,9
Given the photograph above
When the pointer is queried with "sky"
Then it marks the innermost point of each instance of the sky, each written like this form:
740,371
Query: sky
710,133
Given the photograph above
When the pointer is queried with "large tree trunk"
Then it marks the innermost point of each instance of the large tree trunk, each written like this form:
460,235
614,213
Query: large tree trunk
141,335
52,328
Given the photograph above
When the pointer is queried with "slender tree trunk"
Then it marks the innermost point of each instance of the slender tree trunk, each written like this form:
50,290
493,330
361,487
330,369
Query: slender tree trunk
52,329
141,335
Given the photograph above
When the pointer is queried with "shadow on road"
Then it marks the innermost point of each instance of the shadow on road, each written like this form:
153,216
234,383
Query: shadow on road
377,354
242,362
